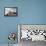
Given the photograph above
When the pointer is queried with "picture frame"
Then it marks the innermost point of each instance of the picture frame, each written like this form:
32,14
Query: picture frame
10,11
33,30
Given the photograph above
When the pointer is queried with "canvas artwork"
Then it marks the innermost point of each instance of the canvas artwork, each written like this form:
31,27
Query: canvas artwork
10,11
32,32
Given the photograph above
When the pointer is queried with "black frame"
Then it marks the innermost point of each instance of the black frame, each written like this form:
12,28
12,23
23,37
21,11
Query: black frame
13,8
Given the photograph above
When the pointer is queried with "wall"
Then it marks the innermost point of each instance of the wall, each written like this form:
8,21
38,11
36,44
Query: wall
29,12
33,12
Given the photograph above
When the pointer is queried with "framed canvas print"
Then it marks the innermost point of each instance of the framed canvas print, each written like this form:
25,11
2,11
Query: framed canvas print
10,11
33,32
